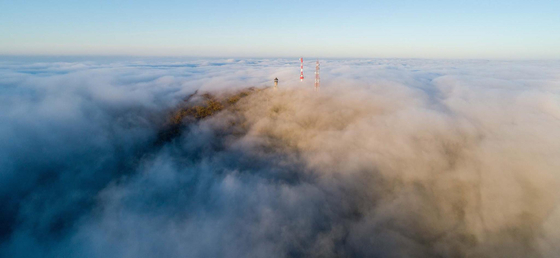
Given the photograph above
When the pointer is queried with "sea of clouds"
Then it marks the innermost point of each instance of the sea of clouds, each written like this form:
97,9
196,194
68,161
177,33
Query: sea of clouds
390,158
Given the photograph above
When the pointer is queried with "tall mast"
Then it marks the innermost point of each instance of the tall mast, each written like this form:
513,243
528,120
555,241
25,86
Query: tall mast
317,78
301,73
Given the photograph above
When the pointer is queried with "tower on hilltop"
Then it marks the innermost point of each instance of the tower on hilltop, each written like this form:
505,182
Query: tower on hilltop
317,78
301,73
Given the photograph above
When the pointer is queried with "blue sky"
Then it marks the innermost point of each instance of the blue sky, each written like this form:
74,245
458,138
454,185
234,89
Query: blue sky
401,29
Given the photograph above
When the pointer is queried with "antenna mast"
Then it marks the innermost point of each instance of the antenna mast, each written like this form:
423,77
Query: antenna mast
301,74
317,78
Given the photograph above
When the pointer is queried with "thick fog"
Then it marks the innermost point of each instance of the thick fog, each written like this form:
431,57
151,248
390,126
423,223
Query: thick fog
390,158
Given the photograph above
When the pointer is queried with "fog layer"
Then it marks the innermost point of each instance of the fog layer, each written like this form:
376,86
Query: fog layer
390,158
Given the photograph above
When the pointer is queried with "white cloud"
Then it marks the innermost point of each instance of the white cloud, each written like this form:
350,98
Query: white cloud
390,158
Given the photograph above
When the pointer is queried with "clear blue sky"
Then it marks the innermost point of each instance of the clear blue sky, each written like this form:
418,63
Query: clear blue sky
400,28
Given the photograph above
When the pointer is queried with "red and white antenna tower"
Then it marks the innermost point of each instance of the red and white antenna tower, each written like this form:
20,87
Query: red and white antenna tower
317,78
301,74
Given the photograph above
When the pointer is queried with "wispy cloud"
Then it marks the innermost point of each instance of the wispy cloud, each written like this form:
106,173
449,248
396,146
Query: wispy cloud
390,158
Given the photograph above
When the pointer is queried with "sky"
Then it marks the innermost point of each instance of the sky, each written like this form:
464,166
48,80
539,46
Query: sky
496,29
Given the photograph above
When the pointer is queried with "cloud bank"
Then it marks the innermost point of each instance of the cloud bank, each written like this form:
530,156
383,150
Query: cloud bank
391,158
